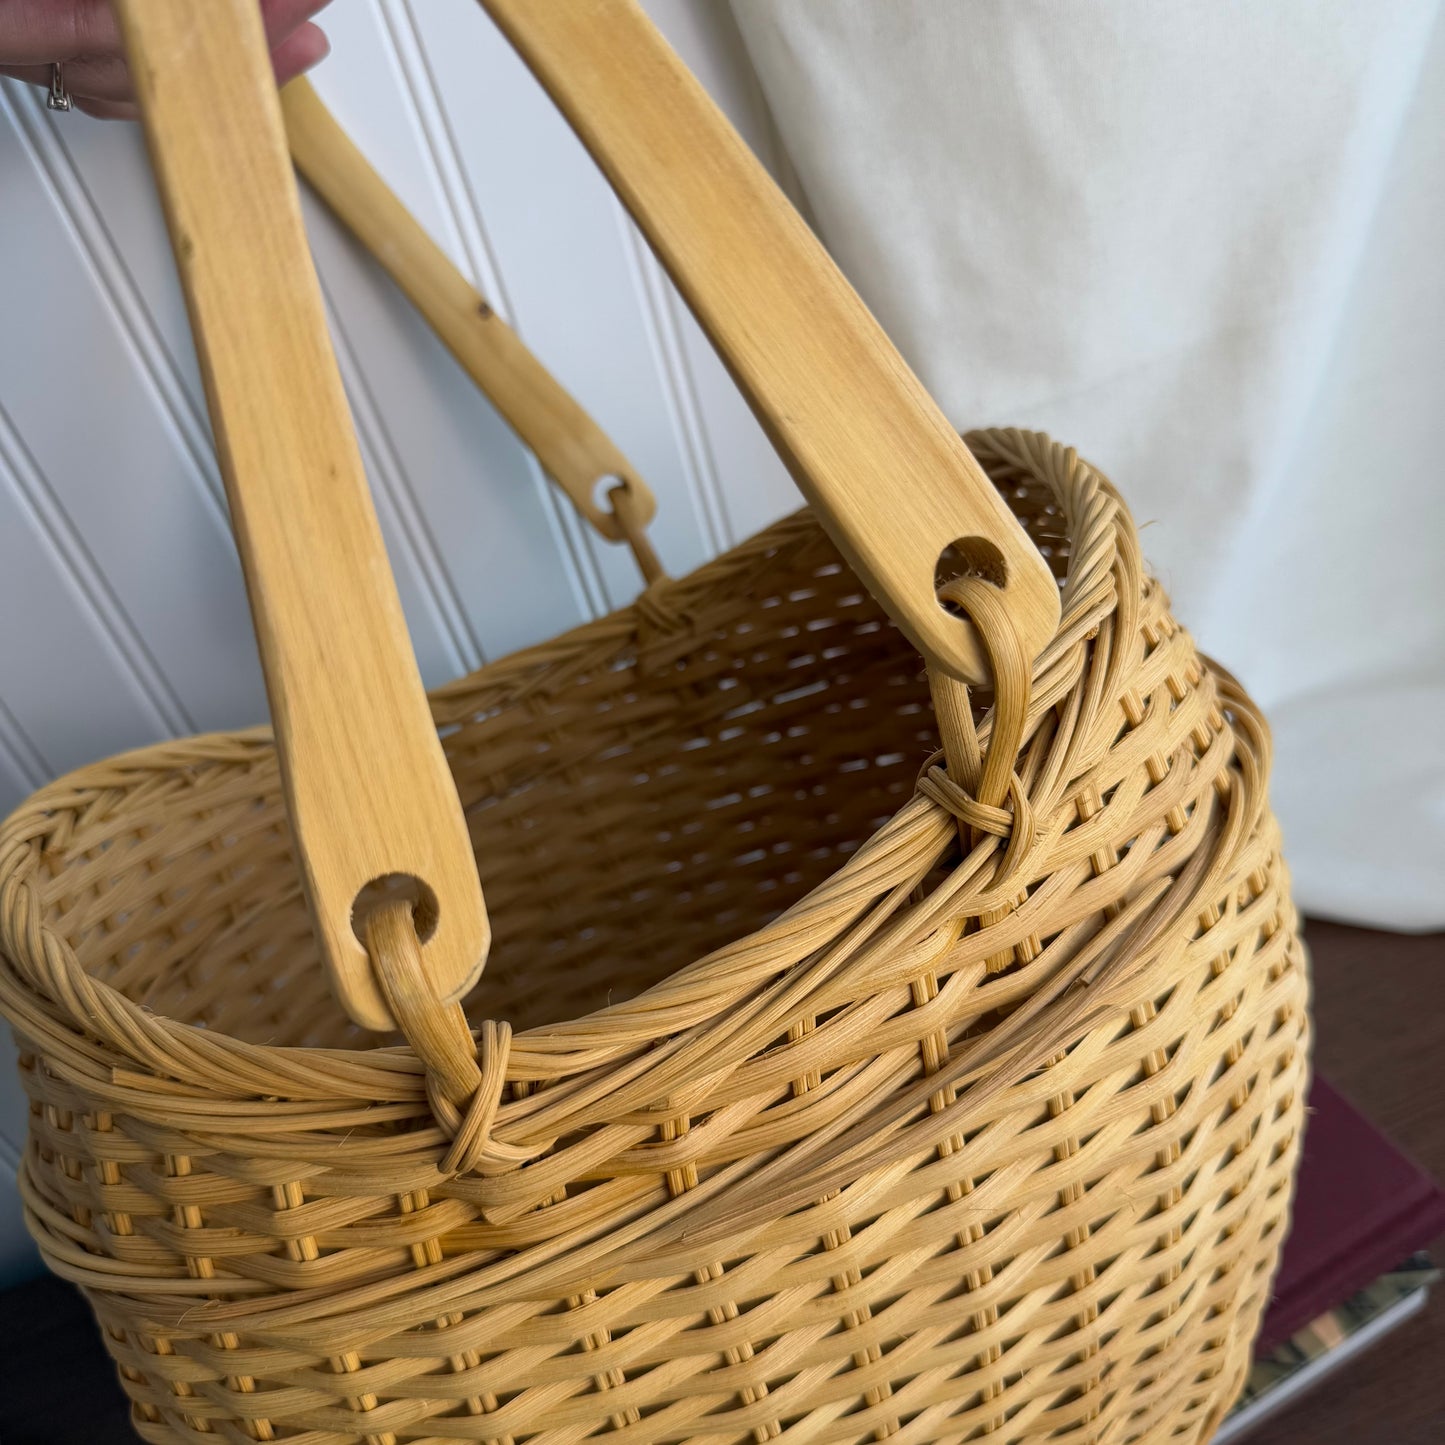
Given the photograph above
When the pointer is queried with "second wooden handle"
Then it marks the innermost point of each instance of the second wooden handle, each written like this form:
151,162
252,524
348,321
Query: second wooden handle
573,450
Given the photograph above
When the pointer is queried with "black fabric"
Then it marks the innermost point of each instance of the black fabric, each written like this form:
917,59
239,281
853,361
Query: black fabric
57,1384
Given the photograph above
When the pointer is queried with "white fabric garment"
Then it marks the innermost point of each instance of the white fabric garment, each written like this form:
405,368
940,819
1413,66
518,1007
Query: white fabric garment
1205,243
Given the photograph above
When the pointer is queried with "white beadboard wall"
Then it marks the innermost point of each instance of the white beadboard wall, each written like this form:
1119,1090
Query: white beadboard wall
124,617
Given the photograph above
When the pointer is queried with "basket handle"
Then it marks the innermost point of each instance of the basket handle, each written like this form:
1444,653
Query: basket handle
891,479
574,451
367,787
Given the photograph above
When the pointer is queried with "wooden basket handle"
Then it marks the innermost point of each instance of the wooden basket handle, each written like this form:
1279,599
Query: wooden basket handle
891,479
367,787
574,451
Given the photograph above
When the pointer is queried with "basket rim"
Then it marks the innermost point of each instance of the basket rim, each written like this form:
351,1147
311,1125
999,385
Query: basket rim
162,1046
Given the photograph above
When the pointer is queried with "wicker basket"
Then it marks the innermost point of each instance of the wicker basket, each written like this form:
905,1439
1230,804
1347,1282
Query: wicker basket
842,1102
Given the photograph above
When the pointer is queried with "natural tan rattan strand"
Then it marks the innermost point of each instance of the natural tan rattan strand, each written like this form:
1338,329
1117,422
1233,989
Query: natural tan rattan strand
787,1143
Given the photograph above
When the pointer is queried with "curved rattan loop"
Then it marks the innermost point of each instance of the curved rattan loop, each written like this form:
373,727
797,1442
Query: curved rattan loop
632,515
463,1094
983,604
981,778
438,1032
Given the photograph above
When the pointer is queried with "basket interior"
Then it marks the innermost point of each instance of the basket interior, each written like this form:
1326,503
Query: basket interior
664,789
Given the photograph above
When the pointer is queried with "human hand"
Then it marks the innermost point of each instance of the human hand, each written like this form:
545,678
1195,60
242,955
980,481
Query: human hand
83,39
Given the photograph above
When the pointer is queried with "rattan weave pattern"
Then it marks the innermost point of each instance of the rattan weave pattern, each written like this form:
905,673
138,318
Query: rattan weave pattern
815,1125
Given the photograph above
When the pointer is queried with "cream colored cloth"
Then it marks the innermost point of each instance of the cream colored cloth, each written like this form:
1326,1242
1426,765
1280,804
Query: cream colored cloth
1204,242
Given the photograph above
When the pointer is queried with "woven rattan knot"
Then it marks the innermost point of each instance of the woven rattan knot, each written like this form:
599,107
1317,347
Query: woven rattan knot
655,609
1016,823
936,785
464,1076
470,1128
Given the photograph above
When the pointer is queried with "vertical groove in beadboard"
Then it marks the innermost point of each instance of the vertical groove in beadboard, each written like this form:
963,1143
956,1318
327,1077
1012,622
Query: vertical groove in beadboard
20,472
419,89
402,37
465,651
679,394
180,414
29,764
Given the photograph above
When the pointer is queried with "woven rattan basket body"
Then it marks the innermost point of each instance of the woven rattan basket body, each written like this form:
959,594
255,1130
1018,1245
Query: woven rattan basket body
843,1093
1020,1177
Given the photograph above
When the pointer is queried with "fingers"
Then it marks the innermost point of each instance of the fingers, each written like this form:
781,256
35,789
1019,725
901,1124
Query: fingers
284,17
302,49
105,78
107,109
39,32
35,74
82,36
98,78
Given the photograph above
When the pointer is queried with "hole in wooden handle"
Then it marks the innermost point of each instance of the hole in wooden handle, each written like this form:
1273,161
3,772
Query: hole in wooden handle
969,557
602,489
389,888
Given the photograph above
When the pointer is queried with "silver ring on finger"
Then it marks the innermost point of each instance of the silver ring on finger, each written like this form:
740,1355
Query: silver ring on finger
59,97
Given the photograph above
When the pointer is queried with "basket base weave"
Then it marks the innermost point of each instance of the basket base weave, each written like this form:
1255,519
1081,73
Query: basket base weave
817,1123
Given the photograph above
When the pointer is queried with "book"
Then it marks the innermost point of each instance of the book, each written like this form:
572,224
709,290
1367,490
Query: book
1284,1373
1352,1267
